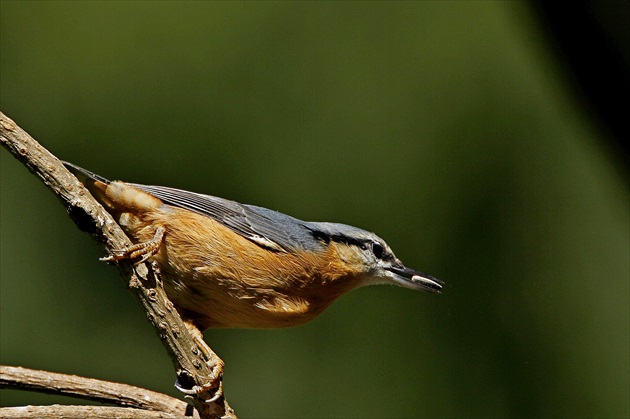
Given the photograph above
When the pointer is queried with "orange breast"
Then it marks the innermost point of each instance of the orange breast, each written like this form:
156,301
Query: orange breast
218,278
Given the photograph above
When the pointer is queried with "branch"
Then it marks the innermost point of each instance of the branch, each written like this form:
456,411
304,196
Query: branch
18,378
198,367
57,411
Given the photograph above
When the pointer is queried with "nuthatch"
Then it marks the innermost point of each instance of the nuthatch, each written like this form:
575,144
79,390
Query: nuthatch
227,264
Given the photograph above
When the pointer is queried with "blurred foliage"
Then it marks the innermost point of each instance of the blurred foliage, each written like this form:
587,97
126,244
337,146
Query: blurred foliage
446,127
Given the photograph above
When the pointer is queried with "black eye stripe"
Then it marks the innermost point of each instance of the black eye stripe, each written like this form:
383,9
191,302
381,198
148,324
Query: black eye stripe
377,249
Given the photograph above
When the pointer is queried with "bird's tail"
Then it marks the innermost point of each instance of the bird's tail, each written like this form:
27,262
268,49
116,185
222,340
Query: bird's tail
84,175
96,184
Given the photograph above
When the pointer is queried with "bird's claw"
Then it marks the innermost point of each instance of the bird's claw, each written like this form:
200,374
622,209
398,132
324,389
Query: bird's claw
200,392
144,250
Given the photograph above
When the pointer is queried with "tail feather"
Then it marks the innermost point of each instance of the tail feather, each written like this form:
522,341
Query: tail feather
117,197
97,185
83,174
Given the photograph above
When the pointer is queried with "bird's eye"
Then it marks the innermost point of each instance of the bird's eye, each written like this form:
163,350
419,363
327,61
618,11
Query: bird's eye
378,250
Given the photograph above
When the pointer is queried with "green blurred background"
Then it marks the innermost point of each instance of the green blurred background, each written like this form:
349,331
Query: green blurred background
450,129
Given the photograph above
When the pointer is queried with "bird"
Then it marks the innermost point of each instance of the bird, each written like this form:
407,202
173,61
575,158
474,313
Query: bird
232,265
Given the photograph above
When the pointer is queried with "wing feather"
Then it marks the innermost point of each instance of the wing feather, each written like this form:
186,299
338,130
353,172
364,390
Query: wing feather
267,228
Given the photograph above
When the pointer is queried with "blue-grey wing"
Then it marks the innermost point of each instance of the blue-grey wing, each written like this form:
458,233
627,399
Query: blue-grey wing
270,229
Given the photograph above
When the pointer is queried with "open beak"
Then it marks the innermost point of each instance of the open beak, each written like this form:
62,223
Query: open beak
416,280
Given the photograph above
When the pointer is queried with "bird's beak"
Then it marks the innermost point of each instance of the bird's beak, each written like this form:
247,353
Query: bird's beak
416,280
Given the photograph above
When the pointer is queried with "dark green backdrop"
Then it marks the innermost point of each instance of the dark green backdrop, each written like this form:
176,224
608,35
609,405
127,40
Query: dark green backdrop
449,129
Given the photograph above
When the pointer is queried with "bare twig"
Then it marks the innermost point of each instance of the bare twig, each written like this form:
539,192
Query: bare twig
57,411
124,395
194,370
